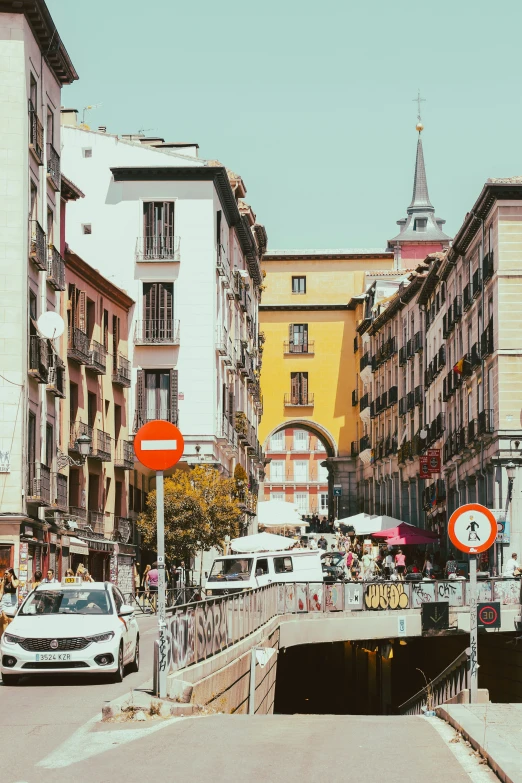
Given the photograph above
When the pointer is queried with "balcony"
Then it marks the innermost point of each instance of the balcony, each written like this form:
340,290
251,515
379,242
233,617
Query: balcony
364,443
383,404
151,412
457,309
60,493
364,402
418,342
36,134
393,395
101,448
467,297
485,422
472,432
156,332
80,514
486,340
373,408
442,357
403,409
37,245
355,344
461,439
410,348
299,400
354,449
355,397
38,359
241,425
440,424
56,376
121,371
419,395
55,269
158,249
487,267
403,356
78,428
445,329
123,529
364,361
98,358
78,346
53,167
410,401
305,347
97,521
477,282
475,356
428,376
124,454
38,484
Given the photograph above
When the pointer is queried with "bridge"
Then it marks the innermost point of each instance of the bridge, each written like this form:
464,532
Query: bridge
209,652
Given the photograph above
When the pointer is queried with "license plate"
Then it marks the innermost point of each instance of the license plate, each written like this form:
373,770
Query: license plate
53,657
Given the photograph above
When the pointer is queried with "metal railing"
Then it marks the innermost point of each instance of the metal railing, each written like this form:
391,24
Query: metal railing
78,428
158,248
38,484
446,685
78,346
124,455
61,495
101,445
55,269
97,521
146,602
157,331
98,358
305,400
305,347
36,134
37,245
53,166
79,513
38,359
121,371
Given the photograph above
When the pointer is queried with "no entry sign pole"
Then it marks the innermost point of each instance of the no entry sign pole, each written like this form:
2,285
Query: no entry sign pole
472,529
159,446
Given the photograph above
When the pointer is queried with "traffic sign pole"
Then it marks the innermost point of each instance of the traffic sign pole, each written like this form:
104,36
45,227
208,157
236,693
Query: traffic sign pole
162,620
473,630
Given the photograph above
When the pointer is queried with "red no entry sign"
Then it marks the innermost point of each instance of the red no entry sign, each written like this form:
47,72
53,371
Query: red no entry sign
159,445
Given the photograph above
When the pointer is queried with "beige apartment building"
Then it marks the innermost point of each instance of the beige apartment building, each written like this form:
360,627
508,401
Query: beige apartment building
441,369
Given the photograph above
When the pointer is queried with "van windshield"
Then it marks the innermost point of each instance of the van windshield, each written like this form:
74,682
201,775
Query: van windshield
237,568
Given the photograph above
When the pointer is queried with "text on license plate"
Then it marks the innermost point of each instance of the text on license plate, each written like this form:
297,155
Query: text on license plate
53,657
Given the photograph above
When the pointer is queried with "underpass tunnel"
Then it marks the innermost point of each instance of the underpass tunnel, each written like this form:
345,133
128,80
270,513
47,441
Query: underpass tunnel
374,677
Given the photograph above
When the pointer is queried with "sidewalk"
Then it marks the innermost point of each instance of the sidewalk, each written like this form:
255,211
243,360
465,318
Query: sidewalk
495,730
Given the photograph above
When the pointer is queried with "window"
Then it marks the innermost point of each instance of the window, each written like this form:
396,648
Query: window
50,226
86,228
277,496
34,201
158,311
158,229
300,440
283,565
277,441
106,329
301,501
49,445
299,388
262,567
299,285
300,470
298,338
50,126
33,93
277,470
87,152
323,502
157,395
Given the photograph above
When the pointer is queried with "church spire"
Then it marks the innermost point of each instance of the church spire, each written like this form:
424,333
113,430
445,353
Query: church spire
420,199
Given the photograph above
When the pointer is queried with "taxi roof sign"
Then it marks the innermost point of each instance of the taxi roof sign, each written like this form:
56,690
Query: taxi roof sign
72,580
159,445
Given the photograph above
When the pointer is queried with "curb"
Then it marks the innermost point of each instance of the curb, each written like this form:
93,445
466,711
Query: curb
145,701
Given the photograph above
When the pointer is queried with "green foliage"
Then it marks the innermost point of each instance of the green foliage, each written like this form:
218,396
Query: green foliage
200,510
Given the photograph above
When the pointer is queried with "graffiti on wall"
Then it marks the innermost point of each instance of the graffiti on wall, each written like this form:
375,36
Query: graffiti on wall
386,596
180,629
315,597
422,593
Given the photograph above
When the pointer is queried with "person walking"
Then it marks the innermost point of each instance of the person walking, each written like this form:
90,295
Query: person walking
8,590
49,579
322,543
367,566
451,567
152,582
37,579
400,564
427,568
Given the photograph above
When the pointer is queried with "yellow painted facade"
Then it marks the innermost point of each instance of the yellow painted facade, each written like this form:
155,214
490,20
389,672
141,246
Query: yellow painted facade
330,361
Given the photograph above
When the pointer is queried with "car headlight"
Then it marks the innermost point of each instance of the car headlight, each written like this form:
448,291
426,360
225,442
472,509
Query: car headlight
101,637
9,638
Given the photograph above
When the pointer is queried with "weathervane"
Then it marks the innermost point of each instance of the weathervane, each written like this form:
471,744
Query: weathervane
418,100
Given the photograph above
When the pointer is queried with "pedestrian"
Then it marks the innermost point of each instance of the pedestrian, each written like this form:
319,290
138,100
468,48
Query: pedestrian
427,568
512,567
389,565
322,543
37,579
8,590
69,572
400,564
137,578
152,581
451,567
312,542
355,567
49,579
367,566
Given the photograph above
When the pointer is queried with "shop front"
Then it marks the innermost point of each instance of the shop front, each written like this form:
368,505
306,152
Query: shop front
122,567
99,561
78,553
32,555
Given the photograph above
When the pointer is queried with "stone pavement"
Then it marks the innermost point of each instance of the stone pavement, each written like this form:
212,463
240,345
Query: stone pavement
495,730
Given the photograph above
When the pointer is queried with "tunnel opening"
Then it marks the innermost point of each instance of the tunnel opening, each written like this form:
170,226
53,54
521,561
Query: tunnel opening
374,677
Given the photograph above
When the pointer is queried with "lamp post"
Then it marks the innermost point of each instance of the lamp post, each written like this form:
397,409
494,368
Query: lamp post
511,471
83,445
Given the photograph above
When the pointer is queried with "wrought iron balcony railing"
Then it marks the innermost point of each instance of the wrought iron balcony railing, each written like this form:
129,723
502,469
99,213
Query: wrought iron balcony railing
36,134
124,455
158,331
485,422
53,167
78,346
60,493
39,359
97,521
299,400
159,248
305,347
38,484
101,448
55,269
56,375
98,358
37,245
121,371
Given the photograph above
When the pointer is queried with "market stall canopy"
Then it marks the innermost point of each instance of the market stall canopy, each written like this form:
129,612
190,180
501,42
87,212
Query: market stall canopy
425,538
278,513
261,542
403,531
365,525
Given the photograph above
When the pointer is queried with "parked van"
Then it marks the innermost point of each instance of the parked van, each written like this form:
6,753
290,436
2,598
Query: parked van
234,573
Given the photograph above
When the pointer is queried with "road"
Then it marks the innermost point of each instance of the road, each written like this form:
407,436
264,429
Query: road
51,733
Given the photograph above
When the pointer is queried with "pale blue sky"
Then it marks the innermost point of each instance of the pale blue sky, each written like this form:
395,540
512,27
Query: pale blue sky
312,103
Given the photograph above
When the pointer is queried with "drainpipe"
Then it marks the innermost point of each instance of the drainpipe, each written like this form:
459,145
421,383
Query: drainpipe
482,363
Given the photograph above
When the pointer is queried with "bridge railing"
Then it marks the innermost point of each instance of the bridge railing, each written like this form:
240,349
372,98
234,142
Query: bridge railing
445,686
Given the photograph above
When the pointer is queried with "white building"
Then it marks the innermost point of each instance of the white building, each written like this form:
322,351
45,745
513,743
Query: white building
173,231
34,66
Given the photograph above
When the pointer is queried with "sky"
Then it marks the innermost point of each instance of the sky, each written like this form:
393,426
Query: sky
312,103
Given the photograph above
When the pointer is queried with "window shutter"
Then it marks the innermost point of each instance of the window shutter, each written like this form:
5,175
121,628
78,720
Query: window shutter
294,387
305,338
115,340
168,218
304,388
224,398
173,396
82,311
231,406
140,398
148,219
290,334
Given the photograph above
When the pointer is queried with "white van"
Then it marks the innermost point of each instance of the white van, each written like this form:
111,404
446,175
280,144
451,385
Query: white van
234,573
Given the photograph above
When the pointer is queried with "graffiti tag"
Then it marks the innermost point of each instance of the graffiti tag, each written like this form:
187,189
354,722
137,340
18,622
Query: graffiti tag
386,596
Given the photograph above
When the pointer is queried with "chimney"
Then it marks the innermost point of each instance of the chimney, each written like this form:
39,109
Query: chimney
69,117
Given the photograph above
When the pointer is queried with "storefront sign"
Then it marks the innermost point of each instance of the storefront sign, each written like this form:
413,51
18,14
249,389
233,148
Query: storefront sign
429,463
28,531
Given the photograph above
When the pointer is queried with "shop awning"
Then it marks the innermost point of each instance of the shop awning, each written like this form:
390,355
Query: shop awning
77,546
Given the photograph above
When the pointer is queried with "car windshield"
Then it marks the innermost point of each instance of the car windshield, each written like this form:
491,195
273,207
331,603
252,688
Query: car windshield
79,601
235,568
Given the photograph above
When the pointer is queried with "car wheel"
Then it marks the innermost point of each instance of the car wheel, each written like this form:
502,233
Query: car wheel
10,679
135,665
119,674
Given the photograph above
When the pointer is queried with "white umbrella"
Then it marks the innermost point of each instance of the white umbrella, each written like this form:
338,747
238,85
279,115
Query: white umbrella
354,520
374,524
261,542
277,513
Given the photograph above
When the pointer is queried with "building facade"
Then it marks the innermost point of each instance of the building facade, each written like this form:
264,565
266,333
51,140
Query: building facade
295,471
175,232
34,67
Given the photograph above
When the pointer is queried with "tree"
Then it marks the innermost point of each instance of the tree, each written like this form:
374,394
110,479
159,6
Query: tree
200,510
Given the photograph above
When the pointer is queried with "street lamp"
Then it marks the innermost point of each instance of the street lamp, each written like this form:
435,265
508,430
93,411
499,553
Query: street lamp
511,470
83,444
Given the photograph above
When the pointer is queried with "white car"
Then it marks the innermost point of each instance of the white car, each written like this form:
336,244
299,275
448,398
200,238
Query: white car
68,627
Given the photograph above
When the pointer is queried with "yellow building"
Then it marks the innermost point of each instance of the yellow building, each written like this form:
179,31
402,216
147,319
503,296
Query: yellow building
309,371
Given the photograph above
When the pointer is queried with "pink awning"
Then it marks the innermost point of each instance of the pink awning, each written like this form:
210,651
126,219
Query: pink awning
409,539
405,531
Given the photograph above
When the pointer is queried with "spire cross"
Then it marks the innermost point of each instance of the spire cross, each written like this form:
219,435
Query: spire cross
418,100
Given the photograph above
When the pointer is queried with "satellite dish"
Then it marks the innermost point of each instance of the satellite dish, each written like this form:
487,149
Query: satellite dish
423,433
51,325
